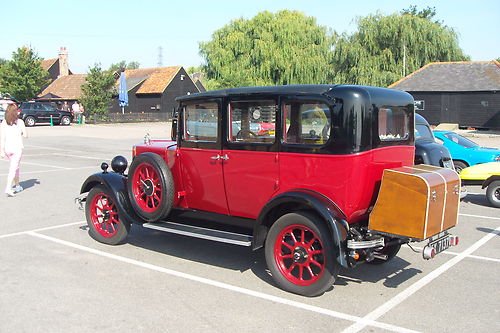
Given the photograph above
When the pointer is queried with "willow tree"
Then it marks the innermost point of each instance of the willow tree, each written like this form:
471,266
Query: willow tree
286,47
386,48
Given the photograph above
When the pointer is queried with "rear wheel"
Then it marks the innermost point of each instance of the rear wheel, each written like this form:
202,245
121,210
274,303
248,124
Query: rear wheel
103,218
493,193
29,121
299,254
150,187
459,166
65,121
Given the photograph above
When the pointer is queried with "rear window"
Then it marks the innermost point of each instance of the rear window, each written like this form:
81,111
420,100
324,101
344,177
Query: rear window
393,124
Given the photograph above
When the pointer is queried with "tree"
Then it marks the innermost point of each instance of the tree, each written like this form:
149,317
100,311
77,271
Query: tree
426,13
269,49
386,48
97,92
497,59
23,77
209,84
122,65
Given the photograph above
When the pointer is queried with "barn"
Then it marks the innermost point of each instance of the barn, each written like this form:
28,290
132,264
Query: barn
466,93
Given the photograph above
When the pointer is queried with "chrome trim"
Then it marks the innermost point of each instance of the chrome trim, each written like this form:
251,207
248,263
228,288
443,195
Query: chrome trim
352,244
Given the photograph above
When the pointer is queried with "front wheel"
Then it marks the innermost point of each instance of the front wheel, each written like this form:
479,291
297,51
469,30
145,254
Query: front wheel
300,254
65,121
30,121
103,219
493,193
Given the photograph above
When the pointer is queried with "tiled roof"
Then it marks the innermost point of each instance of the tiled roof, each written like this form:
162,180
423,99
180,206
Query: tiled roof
46,64
453,76
155,80
66,87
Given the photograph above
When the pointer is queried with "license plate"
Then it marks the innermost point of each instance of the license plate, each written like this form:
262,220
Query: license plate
440,244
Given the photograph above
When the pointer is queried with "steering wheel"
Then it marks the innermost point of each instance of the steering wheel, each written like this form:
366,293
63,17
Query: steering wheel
244,133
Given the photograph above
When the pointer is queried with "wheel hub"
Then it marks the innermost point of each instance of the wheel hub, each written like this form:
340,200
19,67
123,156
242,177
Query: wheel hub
300,255
106,215
148,187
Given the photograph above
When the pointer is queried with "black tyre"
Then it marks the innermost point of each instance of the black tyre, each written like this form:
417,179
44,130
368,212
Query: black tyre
459,166
390,251
103,219
150,187
30,121
300,254
65,121
493,193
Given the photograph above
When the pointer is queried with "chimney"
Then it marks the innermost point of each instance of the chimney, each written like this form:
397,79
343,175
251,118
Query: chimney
63,62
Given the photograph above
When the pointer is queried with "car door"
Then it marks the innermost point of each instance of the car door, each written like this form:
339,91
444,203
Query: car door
40,113
200,155
250,155
52,113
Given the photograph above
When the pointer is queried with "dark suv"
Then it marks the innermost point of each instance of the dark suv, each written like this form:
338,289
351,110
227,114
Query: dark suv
36,112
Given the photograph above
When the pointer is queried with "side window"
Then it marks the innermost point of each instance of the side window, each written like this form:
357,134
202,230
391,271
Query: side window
306,122
252,121
201,122
393,124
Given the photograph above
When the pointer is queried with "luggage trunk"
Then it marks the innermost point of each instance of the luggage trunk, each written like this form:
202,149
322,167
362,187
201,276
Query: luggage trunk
416,202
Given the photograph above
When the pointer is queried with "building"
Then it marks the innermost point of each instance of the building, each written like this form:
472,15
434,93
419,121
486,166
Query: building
57,67
465,93
152,92
67,88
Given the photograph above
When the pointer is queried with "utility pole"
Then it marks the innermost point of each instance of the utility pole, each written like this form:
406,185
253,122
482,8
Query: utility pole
160,56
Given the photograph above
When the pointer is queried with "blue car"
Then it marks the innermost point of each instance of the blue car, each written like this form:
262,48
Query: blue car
465,152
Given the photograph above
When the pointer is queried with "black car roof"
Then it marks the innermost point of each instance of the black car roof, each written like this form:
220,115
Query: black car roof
289,89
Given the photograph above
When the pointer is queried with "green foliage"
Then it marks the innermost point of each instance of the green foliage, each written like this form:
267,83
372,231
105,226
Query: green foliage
269,49
97,92
374,54
23,77
209,84
426,13
497,59
118,67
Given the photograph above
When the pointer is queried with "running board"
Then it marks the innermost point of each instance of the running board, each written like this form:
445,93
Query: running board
199,232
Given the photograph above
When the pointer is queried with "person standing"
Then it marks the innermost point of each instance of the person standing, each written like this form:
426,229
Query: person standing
11,145
75,107
82,110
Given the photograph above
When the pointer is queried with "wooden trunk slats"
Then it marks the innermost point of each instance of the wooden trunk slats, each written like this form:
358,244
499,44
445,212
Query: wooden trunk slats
417,202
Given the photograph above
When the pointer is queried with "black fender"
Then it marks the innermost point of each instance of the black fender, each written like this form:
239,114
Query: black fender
302,199
490,180
117,184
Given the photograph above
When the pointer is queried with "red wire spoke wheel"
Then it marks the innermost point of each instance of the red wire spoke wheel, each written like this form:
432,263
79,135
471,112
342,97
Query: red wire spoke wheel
103,217
150,187
300,254
147,187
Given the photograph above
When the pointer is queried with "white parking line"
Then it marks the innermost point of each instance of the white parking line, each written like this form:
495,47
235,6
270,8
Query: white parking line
396,300
42,229
56,170
80,156
364,322
457,254
481,217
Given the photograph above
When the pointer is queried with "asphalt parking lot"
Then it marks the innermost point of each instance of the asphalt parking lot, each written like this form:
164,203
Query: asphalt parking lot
55,278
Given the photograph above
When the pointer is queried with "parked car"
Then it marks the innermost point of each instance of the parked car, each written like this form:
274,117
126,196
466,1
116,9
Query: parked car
465,152
334,185
36,112
489,175
427,150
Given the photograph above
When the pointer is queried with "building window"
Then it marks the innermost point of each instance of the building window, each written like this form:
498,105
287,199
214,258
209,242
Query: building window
419,105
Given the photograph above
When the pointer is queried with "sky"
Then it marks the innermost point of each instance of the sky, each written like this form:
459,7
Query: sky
109,31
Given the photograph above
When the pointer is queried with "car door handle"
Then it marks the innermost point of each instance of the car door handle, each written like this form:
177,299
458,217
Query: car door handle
225,157
218,157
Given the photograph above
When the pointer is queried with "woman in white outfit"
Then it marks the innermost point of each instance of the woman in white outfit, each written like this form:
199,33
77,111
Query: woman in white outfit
11,145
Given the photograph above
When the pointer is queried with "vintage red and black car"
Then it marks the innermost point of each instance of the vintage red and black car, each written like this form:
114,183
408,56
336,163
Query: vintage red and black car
321,176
